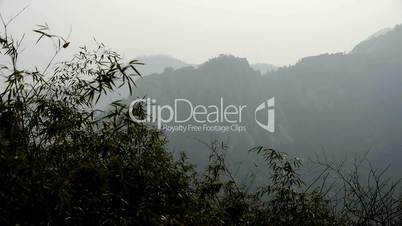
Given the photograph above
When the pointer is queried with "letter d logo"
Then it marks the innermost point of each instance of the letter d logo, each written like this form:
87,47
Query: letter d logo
269,105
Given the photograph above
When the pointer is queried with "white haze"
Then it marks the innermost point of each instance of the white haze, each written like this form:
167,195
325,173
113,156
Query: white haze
273,31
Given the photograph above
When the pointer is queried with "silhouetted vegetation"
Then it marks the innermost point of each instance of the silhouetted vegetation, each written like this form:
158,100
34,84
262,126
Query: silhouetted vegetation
64,162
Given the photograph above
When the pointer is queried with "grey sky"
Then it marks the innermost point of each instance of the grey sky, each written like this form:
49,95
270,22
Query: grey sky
272,31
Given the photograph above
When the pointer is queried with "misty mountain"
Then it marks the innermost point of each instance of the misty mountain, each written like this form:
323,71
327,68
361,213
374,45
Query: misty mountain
382,43
342,104
158,63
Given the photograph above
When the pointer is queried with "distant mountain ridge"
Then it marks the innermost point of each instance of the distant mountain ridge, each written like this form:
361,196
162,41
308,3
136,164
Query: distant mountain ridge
341,103
158,63
383,42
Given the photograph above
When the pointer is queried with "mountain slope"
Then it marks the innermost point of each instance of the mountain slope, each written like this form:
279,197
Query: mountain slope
345,104
384,43
158,63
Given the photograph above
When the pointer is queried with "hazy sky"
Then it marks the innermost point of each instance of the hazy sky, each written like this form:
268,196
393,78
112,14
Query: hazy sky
272,31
